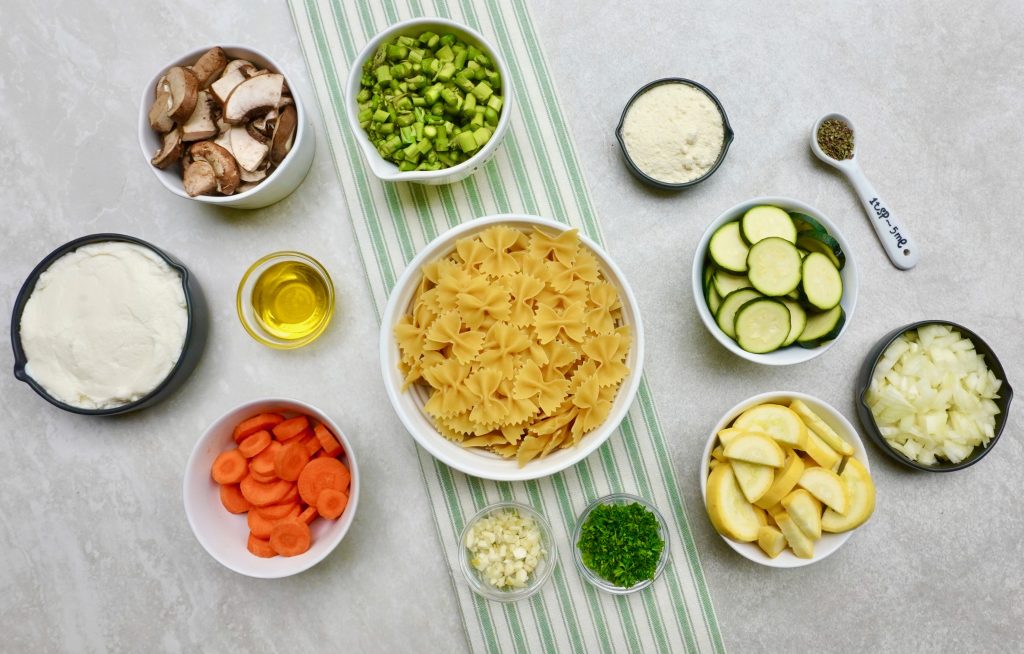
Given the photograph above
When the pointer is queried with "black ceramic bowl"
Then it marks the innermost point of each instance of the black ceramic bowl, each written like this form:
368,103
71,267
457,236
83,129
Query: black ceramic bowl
644,177
867,420
195,335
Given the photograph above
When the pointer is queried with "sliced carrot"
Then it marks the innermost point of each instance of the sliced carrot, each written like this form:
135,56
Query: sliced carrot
260,525
265,479
308,515
331,503
254,424
327,440
321,473
312,445
291,497
260,547
263,462
290,428
290,537
229,467
232,499
276,511
254,444
290,460
261,494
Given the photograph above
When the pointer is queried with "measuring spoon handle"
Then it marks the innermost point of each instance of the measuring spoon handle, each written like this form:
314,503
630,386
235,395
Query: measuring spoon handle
898,244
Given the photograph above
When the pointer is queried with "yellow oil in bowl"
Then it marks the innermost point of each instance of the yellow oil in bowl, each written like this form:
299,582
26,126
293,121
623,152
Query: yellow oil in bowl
285,300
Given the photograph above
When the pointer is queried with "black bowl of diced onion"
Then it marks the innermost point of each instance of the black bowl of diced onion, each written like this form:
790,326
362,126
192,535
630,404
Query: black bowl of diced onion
872,428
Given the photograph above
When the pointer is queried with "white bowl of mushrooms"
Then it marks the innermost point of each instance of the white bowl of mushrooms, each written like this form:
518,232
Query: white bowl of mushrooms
223,125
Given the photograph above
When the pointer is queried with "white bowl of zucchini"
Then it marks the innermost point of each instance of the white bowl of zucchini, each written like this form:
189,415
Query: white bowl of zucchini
774,281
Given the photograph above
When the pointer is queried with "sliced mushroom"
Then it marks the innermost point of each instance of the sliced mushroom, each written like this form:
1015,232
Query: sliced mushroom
253,97
184,89
209,66
257,134
230,78
265,124
249,152
257,175
284,132
247,186
285,101
253,71
199,178
200,124
169,150
224,140
225,167
159,118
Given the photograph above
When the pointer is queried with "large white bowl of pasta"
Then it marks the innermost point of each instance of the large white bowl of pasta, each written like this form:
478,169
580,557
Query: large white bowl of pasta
511,347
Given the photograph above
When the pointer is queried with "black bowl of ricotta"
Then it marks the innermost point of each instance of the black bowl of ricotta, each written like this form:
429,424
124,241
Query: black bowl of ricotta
192,348
648,176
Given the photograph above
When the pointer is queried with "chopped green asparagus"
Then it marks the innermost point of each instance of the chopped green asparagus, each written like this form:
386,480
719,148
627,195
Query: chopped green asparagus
429,101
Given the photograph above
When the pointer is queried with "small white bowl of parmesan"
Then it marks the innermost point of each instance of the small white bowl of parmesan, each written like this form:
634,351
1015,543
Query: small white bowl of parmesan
673,133
107,324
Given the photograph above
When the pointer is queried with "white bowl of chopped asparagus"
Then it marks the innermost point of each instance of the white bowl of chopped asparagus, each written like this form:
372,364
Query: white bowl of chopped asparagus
429,101
725,288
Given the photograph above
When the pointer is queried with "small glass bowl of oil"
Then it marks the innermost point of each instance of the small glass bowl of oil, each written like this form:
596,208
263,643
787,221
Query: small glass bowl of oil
285,300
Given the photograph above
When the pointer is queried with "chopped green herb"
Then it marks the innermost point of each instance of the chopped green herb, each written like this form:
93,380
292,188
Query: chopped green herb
413,84
621,543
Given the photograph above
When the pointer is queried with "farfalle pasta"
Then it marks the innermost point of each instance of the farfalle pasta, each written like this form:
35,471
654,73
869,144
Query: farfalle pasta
517,340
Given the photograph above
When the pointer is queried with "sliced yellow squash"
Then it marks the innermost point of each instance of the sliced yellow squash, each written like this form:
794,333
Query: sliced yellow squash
754,479
827,434
818,449
785,480
801,543
862,499
771,541
754,447
827,487
731,514
729,433
775,420
805,511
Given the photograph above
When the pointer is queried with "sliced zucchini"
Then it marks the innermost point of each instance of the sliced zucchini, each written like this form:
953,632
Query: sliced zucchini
822,242
725,282
774,266
797,320
765,221
727,248
821,284
714,300
726,314
709,272
762,325
822,327
805,223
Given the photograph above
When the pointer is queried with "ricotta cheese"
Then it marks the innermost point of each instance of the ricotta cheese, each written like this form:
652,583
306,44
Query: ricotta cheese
104,325
674,133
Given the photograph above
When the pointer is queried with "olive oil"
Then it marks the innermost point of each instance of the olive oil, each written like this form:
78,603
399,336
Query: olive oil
290,300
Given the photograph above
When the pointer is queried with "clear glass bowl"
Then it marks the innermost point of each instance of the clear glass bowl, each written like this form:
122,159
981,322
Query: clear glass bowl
247,315
537,578
593,577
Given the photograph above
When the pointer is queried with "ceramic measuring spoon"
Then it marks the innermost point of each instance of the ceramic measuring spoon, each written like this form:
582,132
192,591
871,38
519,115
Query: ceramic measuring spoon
898,244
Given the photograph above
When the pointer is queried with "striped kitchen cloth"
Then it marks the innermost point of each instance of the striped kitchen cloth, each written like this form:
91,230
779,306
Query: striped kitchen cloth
535,171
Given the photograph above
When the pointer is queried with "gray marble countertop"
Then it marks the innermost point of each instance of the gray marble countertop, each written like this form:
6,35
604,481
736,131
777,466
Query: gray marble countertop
98,554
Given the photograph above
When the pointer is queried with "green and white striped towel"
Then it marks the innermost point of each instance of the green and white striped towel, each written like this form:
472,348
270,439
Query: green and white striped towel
535,171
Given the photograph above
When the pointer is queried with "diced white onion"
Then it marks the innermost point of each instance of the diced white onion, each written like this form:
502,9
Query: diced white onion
506,548
932,396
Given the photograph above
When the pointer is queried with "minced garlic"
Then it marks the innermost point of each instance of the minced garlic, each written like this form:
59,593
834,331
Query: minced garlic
674,133
506,548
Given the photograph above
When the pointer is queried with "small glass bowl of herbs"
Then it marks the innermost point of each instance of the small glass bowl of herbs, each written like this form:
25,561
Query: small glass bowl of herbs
621,543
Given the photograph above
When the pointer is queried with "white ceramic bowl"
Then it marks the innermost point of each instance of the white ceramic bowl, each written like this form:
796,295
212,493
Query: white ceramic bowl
387,171
224,535
279,184
409,404
794,353
829,543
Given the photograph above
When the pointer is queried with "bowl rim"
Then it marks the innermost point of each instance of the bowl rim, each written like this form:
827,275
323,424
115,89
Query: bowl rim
867,418
351,463
434,441
751,551
28,287
477,585
850,276
144,129
467,166
316,266
727,140
592,577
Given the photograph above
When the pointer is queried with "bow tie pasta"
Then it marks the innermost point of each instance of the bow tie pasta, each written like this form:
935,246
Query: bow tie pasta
518,340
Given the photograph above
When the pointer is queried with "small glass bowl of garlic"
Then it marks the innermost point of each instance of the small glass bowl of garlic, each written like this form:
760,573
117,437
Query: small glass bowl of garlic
507,552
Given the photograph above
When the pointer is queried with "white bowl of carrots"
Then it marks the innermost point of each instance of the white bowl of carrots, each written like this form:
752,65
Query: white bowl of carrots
271,488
